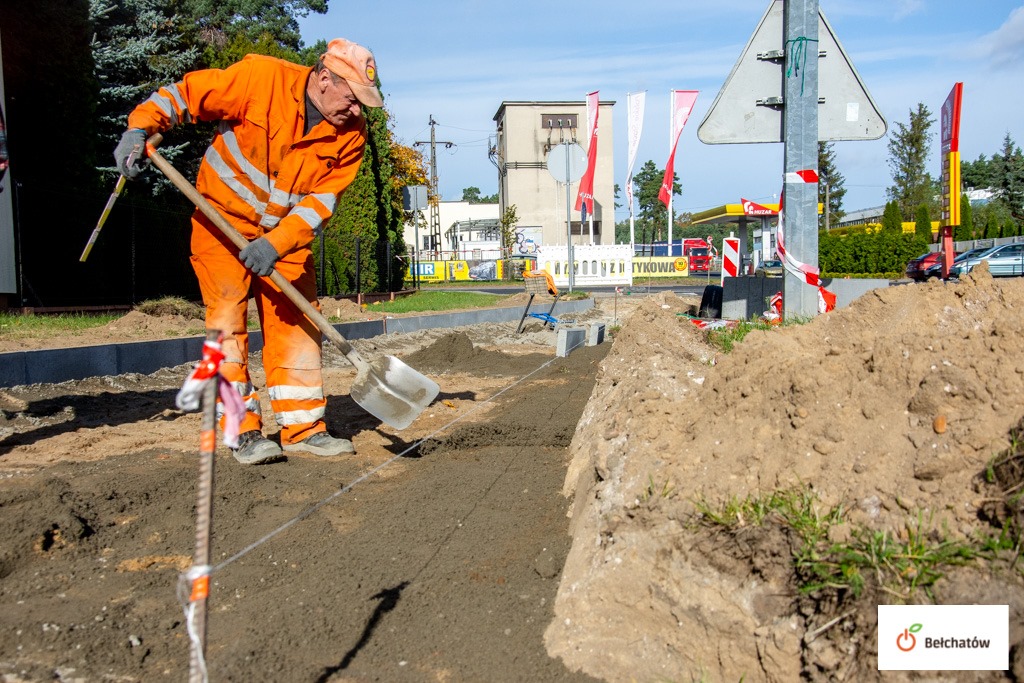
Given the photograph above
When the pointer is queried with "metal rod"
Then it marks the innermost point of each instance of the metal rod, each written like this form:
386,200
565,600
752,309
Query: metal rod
204,519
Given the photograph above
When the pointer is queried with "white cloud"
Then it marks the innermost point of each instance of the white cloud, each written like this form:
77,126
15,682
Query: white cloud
1005,45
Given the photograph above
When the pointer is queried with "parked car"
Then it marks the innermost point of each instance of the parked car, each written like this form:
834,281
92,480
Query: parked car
936,270
1004,260
768,269
917,267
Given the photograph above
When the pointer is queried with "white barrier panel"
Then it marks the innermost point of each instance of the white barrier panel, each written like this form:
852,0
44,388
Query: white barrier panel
598,264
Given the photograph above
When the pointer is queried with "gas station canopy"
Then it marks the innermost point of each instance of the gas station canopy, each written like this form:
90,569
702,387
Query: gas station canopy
735,213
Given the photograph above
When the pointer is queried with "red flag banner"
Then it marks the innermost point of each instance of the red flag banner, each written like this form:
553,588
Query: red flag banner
586,191
682,105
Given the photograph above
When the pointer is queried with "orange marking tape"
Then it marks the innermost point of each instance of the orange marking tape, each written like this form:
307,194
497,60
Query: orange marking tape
208,441
200,588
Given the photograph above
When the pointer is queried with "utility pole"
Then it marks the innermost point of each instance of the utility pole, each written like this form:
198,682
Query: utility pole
800,124
435,215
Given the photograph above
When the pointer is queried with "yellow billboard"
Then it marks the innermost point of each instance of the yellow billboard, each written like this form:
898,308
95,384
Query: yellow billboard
660,266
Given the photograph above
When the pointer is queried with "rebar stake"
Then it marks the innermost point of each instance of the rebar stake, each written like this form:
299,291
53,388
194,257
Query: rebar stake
204,517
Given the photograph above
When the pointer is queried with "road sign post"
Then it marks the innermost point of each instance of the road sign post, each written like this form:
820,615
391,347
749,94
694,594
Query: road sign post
567,163
800,123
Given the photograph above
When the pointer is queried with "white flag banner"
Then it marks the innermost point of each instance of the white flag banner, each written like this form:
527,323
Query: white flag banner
634,128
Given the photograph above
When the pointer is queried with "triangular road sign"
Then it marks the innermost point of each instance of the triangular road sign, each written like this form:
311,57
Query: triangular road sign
749,106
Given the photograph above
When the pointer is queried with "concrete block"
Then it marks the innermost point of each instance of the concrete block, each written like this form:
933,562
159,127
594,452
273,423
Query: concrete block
595,334
569,338
744,298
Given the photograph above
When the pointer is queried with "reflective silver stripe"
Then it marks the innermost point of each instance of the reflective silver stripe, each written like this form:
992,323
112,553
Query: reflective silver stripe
227,176
176,94
328,200
309,215
282,198
269,221
258,177
283,392
164,105
243,388
295,417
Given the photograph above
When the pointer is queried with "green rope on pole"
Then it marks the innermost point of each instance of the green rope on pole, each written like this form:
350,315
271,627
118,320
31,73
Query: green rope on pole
796,65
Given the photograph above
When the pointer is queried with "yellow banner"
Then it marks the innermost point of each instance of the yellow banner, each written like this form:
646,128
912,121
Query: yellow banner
453,271
660,266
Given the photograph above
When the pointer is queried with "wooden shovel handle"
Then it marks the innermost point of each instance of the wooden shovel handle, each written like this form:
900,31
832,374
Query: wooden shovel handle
239,241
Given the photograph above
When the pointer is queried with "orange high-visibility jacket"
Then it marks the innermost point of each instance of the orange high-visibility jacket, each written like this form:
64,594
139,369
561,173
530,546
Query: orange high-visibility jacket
260,171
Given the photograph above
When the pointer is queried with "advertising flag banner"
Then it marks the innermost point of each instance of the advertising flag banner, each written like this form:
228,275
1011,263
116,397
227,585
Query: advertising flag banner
634,128
682,105
586,191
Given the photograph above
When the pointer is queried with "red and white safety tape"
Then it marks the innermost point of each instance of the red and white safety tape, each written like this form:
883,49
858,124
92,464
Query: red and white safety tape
802,271
191,391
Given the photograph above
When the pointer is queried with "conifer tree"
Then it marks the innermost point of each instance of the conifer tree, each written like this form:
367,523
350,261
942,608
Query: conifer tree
923,223
891,219
834,181
909,146
137,47
965,231
992,225
219,22
1008,178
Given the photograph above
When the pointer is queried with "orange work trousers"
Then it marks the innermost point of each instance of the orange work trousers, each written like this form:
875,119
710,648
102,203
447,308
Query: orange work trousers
291,343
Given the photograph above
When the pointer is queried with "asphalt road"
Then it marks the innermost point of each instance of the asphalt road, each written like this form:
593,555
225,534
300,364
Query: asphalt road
696,287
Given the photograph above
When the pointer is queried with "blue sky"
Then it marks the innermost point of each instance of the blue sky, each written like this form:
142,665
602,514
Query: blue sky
457,60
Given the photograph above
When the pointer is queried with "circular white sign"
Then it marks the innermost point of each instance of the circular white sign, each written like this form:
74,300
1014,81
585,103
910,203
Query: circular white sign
560,169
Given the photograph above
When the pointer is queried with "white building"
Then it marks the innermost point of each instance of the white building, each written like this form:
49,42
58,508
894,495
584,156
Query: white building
468,231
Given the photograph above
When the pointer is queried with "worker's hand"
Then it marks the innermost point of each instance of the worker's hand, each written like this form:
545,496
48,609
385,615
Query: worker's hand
130,151
259,257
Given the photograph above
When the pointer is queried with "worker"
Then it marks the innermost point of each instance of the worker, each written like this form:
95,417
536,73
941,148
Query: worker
289,141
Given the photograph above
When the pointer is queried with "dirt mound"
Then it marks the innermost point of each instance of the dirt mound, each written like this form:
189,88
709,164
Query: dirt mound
874,422
172,305
455,352
346,310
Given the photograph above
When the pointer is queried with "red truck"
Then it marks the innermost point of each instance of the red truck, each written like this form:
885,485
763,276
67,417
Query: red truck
698,253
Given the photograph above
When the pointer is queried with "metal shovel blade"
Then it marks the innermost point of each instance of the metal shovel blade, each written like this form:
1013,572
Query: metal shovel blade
391,391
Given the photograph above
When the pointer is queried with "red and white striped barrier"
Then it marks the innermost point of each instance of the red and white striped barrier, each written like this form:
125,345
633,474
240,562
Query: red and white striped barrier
730,257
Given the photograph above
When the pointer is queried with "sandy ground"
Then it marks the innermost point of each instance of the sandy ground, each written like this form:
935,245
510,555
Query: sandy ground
441,566
555,523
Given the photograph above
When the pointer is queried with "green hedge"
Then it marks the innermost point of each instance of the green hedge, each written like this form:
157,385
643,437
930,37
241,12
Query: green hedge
868,254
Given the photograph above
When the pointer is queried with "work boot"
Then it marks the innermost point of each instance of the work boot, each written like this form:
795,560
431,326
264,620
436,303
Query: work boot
322,443
256,449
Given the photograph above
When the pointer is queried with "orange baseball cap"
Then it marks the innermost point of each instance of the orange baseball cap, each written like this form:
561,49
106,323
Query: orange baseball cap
356,65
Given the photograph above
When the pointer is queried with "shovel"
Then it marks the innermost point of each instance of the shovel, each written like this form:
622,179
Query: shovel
388,389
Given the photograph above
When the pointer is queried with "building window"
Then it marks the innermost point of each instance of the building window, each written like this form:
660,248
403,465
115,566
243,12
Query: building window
583,229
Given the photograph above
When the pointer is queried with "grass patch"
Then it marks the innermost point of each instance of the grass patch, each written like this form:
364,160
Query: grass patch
897,563
22,326
437,301
726,338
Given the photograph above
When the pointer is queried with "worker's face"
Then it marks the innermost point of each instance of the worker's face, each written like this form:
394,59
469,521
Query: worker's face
337,102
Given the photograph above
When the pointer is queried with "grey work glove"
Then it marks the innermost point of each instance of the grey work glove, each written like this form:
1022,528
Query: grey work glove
130,151
259,257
